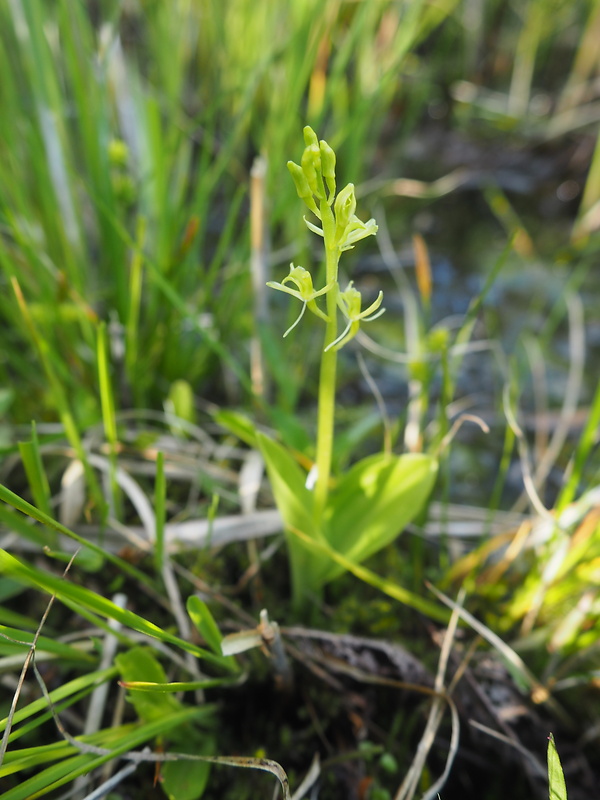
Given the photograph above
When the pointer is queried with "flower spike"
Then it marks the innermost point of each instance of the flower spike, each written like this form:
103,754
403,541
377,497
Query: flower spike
302,279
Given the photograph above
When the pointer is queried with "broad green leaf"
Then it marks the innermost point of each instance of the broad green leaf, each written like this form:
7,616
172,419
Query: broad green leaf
184,780
374,502
238,424
357,430
556,778
293,499
138,664
290,428
10,589
295,503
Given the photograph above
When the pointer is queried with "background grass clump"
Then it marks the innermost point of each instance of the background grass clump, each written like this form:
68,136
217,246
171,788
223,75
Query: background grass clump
144,204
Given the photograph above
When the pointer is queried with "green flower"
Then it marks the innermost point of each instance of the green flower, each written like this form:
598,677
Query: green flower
305,292
349,229
350,303
357,230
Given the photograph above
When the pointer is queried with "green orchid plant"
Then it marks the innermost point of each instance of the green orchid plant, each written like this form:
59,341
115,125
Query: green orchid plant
332,522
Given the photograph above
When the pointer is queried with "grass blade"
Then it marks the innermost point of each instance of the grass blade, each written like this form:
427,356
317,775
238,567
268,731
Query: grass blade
556,778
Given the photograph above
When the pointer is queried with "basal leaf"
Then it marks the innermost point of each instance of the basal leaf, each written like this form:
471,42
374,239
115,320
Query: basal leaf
239,424
293,499
384,585
374,501
295,503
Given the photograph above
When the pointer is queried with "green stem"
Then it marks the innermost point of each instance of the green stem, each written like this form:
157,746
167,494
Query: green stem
327,376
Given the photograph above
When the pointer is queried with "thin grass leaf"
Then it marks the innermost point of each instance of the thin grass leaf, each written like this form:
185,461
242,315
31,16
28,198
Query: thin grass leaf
586,442
176,686
34,469
84,597
60,399
160,493
69,689
115,742
106,393
205,623
109,419
17,523
15,640
132,325
24,507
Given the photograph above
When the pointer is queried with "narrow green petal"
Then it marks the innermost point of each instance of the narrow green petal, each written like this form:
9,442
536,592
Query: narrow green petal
281,288
313,228
324,290
373,307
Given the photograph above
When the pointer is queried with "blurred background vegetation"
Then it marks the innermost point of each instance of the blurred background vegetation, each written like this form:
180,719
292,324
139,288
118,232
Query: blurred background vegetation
137,140
129,130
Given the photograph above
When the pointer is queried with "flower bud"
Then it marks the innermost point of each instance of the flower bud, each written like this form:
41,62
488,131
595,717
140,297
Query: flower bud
299,178
311,165
327,160
328,167
310,137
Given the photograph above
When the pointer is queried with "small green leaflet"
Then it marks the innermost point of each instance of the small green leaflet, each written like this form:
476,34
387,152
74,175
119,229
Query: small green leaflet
556,778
